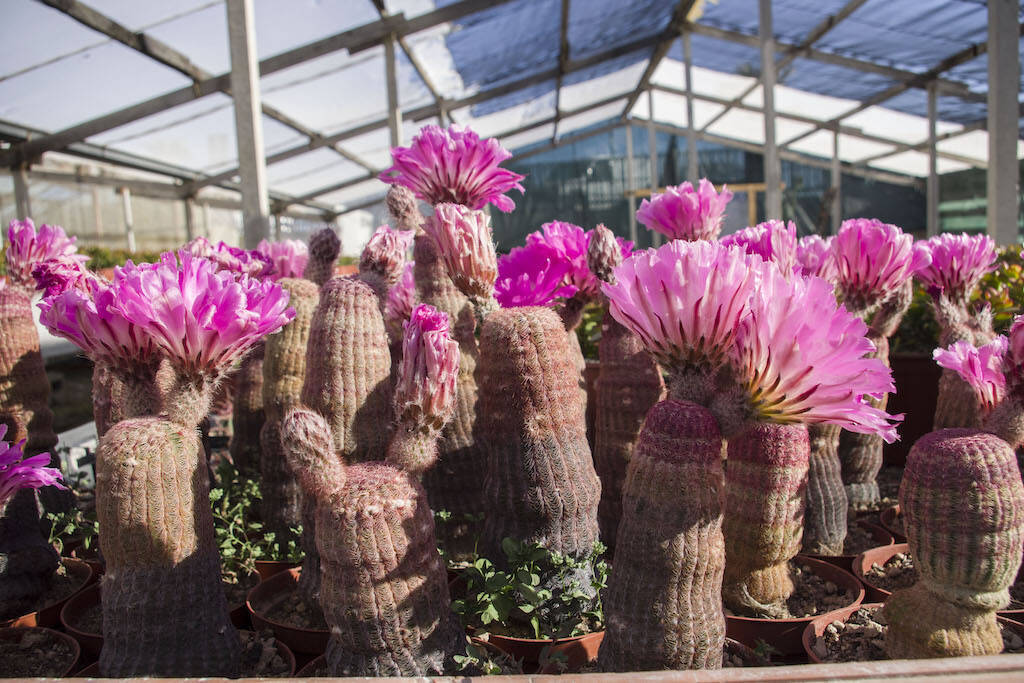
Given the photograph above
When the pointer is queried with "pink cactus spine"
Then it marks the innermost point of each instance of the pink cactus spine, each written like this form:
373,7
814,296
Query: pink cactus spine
963,502
541,485
382,260
765,485
453,483
284,370
628,384
671,548
324,247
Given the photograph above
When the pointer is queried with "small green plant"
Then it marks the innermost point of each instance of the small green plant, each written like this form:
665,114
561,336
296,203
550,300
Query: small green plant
540,594
488,662
443,518
73,526
589,330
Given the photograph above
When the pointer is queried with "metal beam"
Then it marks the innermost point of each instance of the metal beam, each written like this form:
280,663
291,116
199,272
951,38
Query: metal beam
692,160
837,186
913,147
668,36
22,202
354,40
932,192
391,83
630,183
129,221
245,84
1003,84
792,52
772,163
652,155
563,62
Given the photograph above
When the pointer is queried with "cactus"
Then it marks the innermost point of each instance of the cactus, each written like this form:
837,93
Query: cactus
247,415
665,608
825,515
382,260
284,370
963,504
324,247
540,479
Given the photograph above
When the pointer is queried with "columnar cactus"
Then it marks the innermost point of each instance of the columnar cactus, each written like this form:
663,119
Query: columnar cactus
284,370
324,247
825,514
247,416
628,384
164,608
382,260
384,590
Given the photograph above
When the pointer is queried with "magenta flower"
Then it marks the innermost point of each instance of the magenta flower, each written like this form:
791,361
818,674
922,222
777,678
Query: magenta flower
26,248
289,257
93,319
812,256
772,240
425,388
683,213
250,262
871,260
53,276
533,275
570,243
385,253
684,300
402,296
30,473
465,244
203,320
801,358
957,263
454,166
1016,345
982,368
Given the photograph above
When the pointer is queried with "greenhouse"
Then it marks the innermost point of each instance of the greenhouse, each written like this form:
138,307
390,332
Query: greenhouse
453,338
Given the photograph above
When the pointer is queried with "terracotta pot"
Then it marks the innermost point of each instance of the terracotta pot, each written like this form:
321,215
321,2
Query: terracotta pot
266,595
785,634
577,650
892,522
72,612
843,561
92,559
863,562
17,633
268,568
49,616
916,377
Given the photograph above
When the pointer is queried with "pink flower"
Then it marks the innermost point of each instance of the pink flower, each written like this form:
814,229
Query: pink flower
982,368
289,257
454,166
684,300
1016,345
200,246
682,213
26,248
402,296
93,319
533,275
385,253
958,262
871,260
202,319
465,244
772,241
235,259
53,276
570,244
30,473
425,388
800,357
812,256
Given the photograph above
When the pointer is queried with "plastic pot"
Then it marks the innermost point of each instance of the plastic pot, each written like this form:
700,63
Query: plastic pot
72,612
879,533
893,523
14,634
268,568
577,650
49,616
785,634
863,562
269,593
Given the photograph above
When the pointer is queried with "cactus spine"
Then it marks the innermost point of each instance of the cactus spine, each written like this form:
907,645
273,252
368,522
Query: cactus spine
825,517
248,415
963,502
324,247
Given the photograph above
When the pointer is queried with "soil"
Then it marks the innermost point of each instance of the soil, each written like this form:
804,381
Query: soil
37,654
813,594
260,655
318,670
66,582
888,490
1017,595
898,572
237,592
91,620
292,610
858,539
862,638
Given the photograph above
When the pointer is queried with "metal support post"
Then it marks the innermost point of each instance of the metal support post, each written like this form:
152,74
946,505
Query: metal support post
652,150
245,88
837,185
932,198
23,206
630,183
692,162
129,223
1003,80
190,219
394,111
772,164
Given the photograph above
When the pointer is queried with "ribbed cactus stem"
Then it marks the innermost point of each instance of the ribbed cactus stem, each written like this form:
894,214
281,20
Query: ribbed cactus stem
348,367
403,208
453,483
861,454
663,606
284,370
541,485
958,404
324,247
963,504
825,514
1006,421
628,384
164,610
765,484
248,415
413,448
